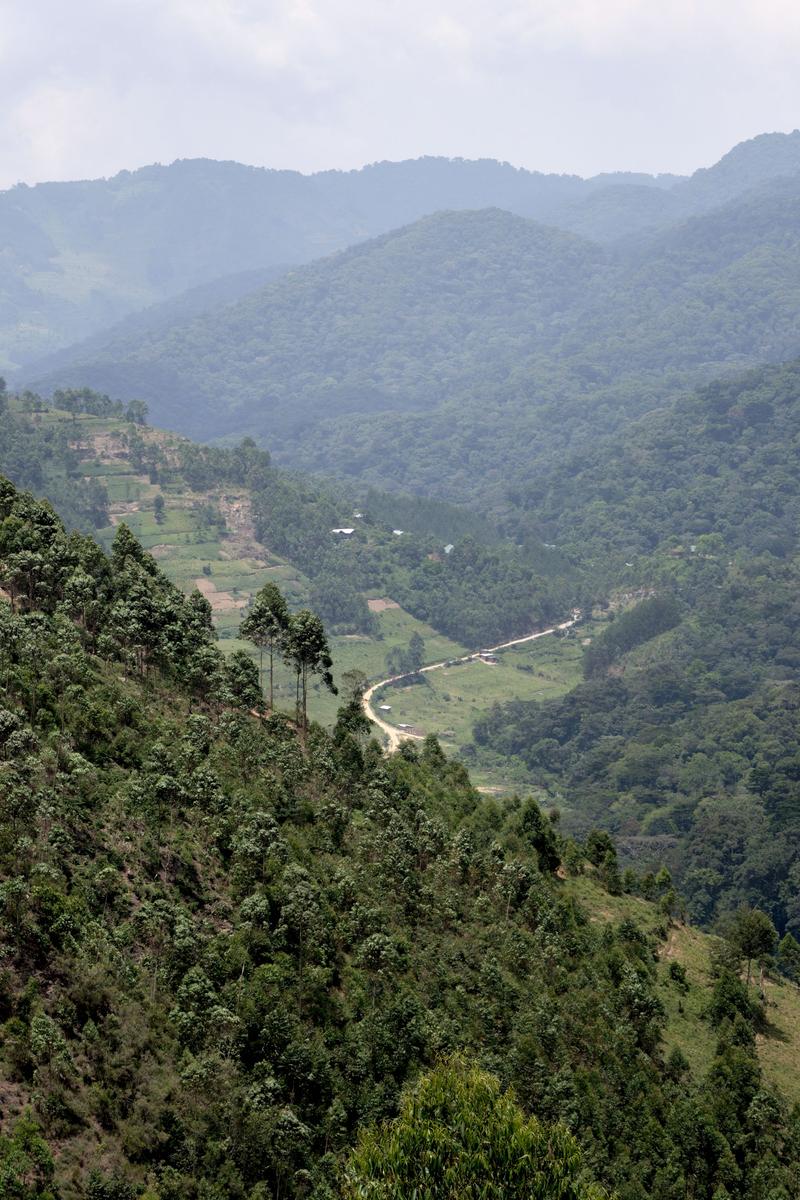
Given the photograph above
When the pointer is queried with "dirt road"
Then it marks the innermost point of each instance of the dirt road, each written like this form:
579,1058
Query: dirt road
395,735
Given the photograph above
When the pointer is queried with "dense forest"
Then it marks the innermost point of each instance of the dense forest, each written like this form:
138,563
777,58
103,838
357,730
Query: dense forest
720,461
683,739
79,255
460,355
230,943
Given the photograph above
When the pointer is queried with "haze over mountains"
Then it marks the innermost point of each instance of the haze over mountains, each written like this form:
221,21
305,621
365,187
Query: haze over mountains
78,256
457,354
233,936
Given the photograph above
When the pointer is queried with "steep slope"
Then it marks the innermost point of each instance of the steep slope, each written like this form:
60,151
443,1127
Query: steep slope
683,738
227,950
458,355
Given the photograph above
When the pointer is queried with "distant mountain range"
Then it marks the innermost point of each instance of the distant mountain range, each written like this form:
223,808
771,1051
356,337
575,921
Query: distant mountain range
455,356
76,257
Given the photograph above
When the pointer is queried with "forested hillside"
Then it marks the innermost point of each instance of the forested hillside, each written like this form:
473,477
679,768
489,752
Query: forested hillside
683,739
459,355
719,461
78,256
403,323
484,589
228,946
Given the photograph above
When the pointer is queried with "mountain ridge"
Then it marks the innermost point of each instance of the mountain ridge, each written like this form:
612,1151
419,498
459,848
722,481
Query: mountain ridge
473,337
168,228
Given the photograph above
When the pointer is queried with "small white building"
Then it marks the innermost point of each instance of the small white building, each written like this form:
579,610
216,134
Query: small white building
449,548
344,532
385,707
398,532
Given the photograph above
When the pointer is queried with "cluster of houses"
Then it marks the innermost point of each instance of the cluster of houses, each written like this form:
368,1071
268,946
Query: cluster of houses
346,531
387,708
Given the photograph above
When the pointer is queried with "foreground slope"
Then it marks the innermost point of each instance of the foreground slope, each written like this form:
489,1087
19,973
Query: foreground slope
228,950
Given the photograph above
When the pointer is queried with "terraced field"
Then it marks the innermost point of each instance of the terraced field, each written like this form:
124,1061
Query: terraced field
206,540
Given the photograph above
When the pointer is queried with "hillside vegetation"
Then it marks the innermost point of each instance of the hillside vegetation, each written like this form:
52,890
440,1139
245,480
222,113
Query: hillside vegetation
226,522
229,946
682,739
80,255
459,355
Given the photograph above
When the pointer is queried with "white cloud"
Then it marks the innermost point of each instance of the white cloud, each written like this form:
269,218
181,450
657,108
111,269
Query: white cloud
581,85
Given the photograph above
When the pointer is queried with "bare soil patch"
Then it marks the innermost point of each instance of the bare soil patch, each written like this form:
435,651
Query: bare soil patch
219,601
382,604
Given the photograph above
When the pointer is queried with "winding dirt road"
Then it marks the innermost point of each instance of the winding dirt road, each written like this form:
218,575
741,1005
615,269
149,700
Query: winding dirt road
395,735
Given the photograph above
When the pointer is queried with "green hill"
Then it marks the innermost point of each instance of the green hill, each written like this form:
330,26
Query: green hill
79,256
461,354
400,323
227,948
682,738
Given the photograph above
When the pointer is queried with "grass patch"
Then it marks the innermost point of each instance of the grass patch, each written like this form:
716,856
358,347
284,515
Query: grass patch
686,1027
450,700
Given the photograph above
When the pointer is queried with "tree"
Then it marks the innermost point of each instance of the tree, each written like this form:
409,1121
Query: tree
26,1164
416,651
158,509
406,661
460,1137
598,845
136,412
267,626
307,649
539,832
752,935
789,956
240,685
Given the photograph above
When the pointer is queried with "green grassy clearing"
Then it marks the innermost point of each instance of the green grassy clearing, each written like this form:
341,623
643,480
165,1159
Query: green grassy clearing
194,554
686,1027
355,652
451,699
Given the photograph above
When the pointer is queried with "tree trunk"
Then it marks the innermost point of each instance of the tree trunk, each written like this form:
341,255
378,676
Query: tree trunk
305,697
271,700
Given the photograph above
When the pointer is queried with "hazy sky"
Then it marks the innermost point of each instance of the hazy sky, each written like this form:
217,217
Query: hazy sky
91,86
